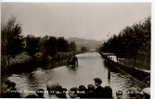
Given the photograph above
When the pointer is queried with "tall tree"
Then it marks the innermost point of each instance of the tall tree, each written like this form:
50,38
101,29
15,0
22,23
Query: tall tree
11,38
84,49
11,42
48,45
132,41
52,46
62,45
32,44
72,46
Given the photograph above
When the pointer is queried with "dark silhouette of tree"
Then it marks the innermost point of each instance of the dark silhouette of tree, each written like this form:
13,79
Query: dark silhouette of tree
32,44
52,46
131,42
72,47
62,45
44,44
11,43
84,49
48,45
11,38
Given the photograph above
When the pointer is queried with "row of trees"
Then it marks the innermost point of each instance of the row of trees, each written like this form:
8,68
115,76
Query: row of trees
48,45
132,42
13,43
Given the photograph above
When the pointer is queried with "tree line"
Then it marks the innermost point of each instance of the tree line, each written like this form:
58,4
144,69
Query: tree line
14,43
132,42
48,45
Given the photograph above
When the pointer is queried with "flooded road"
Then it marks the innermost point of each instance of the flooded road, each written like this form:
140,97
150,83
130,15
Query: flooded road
91,65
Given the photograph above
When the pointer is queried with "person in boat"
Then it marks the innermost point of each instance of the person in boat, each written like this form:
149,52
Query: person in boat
102,92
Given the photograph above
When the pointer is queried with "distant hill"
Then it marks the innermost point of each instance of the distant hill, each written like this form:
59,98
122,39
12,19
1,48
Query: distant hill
90,44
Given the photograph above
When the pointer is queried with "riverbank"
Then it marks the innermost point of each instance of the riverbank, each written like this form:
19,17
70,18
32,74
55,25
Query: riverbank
140,74
90,66
139,63
25,63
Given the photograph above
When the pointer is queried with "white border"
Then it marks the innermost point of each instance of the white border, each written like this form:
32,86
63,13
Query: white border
78,1
153,53
115,1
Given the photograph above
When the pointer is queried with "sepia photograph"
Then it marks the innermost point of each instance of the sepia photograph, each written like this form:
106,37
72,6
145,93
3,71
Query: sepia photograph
76,50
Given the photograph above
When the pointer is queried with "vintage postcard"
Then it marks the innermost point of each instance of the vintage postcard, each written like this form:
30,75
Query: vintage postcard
75,50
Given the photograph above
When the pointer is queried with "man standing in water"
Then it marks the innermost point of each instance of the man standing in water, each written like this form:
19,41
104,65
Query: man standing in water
73,61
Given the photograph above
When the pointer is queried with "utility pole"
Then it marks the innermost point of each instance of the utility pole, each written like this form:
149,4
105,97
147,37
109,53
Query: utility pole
109,74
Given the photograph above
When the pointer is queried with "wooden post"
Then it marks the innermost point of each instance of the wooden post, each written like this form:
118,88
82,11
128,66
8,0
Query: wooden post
109,75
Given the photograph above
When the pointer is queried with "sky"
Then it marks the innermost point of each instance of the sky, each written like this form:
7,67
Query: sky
97,21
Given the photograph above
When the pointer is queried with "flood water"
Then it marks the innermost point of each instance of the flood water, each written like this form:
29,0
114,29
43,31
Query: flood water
91,65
